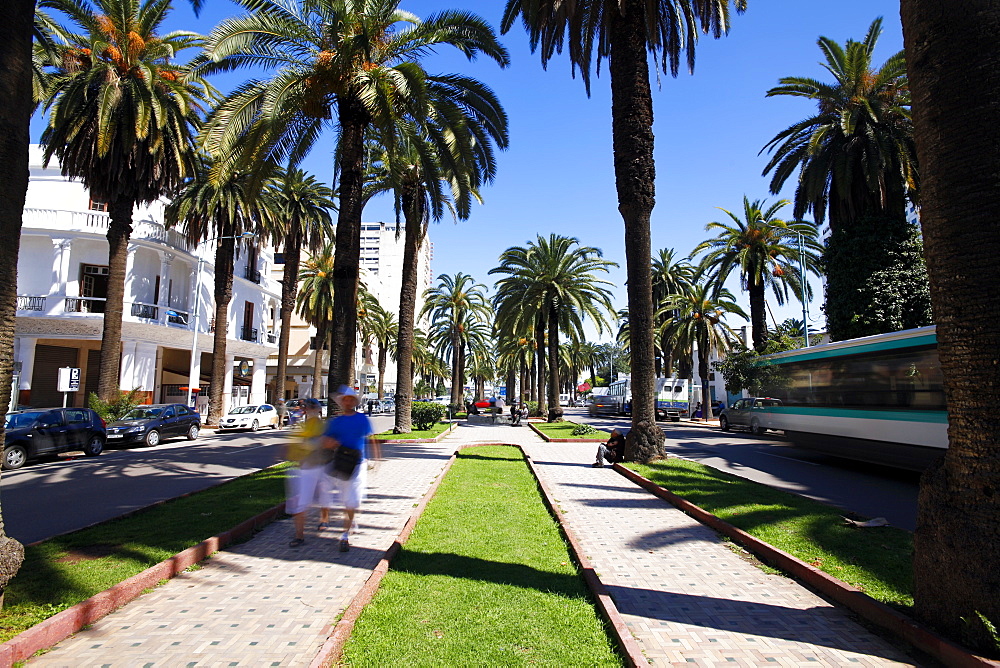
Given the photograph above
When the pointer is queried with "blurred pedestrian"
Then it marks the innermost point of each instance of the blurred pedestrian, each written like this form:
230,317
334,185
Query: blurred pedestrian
308,483
282,412
351,431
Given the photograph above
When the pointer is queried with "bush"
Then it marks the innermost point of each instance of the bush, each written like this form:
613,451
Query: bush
583,430
533,409
116,409
426,414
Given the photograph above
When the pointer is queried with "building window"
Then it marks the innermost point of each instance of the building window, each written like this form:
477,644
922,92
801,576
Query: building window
279,258
98,205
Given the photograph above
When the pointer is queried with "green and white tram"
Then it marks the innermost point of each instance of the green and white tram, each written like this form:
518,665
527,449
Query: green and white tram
878,399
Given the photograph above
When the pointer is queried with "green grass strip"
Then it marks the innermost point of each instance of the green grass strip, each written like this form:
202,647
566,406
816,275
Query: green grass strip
875,560
485,579
565,430
66,570
436,430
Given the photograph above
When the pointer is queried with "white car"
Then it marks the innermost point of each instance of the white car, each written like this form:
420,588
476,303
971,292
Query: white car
251,417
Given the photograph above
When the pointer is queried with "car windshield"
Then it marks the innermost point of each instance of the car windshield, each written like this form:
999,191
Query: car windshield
16,420
243,409
142,413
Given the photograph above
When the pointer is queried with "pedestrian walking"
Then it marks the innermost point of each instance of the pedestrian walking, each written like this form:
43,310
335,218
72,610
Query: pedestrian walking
349,435
308,483
282,409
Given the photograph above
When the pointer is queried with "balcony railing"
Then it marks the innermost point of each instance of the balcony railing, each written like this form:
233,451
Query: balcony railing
248,334
175,317
95,221
272,338
85,304
252,275
147,311
28,303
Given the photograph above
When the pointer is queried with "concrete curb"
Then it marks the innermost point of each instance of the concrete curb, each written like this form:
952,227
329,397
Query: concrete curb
565,440
60,626
333,648
854,599
436,439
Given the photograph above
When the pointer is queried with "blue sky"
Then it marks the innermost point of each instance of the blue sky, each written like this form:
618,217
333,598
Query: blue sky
557,176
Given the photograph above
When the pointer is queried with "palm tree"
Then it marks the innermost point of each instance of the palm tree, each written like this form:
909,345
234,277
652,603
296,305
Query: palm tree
670,276
556,280
699,323
956,126
452,145
626,32
314,303
455,305
383,329
122,119
227,211
304,221
357,57
764,249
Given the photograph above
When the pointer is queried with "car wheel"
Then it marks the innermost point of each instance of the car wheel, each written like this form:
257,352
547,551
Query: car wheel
94,446
192,432
723,423
152,438
254,426
14,457
756,429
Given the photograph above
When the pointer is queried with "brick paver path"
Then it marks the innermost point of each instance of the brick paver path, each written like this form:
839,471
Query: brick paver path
686,597
261,603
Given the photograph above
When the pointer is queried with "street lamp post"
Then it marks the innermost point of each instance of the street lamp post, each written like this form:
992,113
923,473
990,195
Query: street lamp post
194,372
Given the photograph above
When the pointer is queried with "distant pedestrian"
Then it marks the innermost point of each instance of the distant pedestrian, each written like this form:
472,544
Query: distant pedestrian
493,409
500,405
282,412
351,431
613,451
308,482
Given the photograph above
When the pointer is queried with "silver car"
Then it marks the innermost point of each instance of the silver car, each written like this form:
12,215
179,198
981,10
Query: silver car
744,413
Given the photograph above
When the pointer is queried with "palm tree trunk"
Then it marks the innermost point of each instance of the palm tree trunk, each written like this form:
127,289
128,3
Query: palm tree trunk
382,350
593,374
555,408
322,341
456,368
957,128
758,316
15,117
540,364
225,251
635,173
414,236
119,231
289,288
706,391
511,384
347,254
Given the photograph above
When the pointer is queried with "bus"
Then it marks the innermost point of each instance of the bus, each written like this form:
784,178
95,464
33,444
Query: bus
878,399
672,398
620,395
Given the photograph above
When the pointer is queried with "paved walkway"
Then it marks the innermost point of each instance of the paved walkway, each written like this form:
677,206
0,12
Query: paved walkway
686,597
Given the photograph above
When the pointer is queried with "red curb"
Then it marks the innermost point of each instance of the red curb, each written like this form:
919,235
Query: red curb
850,597
60,626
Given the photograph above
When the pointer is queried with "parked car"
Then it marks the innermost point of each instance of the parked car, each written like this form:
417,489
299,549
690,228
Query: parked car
151,424
48,431
388,405
744,413
252,417
444,401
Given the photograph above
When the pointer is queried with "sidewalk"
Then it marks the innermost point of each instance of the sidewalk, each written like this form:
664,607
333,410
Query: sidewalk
685,596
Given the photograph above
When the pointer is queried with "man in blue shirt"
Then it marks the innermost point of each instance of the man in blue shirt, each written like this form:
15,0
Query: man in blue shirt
353,430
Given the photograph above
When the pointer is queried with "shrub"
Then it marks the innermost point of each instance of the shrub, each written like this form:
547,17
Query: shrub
583,430
117,408
426,414
533,409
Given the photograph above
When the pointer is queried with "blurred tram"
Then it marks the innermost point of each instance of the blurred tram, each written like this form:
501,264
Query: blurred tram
878,399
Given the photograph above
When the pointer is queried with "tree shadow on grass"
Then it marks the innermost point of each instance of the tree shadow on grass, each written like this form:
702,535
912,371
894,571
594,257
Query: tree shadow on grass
499,572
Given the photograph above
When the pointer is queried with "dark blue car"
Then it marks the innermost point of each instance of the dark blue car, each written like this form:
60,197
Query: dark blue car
48,431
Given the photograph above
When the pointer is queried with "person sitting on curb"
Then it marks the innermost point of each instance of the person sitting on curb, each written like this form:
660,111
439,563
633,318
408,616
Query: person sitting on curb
613,450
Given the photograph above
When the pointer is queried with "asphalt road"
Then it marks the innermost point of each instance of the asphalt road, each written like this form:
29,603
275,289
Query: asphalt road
47,498
864,489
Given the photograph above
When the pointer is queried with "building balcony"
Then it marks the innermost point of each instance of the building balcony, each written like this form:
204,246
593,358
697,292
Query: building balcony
249,334
97,223
252,275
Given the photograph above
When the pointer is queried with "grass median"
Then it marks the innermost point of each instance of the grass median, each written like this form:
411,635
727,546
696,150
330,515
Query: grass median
485,579
434,431
565,429
66,570
876,560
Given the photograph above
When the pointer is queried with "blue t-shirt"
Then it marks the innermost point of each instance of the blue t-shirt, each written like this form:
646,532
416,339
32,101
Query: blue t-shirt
351,431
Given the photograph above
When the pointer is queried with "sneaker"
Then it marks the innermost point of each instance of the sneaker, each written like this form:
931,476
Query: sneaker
344,545
323,526
296,542
597,465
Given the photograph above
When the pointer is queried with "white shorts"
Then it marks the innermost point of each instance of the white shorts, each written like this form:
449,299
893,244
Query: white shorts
308,487
352,491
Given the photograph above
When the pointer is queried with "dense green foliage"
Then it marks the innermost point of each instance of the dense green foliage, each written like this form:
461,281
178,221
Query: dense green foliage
426,414
117,407
584,430
876,279
484,580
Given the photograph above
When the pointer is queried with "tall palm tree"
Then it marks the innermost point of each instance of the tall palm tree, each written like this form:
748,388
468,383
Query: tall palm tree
303,221
384,331
432,162
555,278
625,32
314,304
764,250
957,127
357,58
455,306
700,323
227,211
671,276
122,119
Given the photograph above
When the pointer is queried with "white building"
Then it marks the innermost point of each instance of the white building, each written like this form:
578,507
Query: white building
62,285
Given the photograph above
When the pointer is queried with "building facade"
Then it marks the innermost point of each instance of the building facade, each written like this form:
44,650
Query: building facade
62,289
